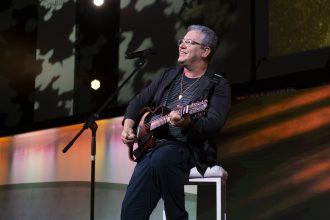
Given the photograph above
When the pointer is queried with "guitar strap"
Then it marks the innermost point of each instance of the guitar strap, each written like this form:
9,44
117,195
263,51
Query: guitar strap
209,151
213,81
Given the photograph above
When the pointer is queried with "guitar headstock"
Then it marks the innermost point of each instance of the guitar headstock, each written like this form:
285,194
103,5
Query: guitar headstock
196,107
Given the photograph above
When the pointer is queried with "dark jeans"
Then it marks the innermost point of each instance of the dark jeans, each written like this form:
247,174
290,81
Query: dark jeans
160,174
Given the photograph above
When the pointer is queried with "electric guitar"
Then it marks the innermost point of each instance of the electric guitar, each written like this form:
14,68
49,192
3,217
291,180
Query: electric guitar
145,138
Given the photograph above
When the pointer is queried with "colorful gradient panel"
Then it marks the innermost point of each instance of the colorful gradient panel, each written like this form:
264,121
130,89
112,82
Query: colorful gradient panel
38,157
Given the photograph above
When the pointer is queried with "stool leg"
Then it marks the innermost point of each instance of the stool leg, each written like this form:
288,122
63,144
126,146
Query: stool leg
206,201
223,200
218,203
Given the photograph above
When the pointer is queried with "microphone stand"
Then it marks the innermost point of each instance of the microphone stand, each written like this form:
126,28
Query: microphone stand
91,124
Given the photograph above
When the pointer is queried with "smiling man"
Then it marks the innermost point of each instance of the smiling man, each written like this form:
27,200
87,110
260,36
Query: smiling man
176,136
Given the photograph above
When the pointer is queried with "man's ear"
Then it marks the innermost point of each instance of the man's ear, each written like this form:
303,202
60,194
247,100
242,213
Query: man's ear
206,52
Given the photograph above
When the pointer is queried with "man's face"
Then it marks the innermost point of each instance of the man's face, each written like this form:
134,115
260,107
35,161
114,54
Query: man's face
190,53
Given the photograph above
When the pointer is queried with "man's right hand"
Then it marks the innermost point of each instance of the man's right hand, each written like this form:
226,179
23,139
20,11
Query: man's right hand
127,135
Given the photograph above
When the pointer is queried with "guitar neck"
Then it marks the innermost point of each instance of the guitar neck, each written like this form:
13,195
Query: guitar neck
159,122
166,118
191,109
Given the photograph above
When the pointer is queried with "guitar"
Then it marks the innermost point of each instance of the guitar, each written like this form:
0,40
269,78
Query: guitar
145,138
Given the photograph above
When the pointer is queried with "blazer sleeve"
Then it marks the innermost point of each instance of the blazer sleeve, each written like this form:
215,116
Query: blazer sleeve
209,125
142,99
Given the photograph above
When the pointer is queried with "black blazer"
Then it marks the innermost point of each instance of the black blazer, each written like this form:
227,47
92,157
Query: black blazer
202,131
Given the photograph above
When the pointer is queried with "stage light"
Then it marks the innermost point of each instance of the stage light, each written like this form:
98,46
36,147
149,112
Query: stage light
95,84
98,2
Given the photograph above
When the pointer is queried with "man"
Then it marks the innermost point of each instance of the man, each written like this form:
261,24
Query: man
185,141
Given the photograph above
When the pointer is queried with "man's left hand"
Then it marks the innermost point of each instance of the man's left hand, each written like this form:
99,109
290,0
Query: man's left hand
177,120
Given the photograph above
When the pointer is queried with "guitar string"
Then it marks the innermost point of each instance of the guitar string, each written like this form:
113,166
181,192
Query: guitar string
163,119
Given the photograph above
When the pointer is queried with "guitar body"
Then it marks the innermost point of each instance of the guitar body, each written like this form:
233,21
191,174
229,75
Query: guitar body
145,137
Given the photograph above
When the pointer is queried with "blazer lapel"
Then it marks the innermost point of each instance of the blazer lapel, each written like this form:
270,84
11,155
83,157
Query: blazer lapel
170,76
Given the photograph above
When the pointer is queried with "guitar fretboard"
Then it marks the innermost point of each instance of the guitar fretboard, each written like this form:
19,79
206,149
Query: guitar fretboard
159,122
188,109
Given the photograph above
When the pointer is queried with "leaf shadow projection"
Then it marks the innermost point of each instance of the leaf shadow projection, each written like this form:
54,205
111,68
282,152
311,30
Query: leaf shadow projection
151,23
53,109
218,15
61,41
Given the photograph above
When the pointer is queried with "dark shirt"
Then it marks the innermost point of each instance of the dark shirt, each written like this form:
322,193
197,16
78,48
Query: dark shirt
186,87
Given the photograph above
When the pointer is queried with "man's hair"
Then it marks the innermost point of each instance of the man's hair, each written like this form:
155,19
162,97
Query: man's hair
209,37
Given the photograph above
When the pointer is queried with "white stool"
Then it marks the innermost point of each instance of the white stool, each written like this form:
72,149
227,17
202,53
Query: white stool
213,175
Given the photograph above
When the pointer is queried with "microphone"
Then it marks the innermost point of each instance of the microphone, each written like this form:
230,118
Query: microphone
141,53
